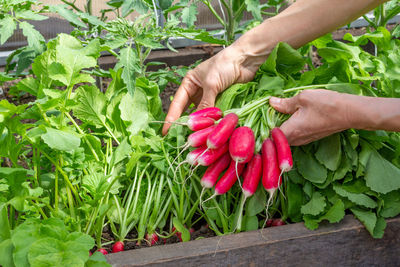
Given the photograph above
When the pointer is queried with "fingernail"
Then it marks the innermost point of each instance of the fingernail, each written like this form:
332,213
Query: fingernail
275,100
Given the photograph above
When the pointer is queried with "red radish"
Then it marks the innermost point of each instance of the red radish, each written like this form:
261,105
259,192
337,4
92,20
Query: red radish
271,175
241,144
198,123
152,239
90,253
212,155
102,251
178,234
277,222
252,175
222,131
118,247
212,173
191,230
199,138
269,222
212,112
283,149
229,178
192,156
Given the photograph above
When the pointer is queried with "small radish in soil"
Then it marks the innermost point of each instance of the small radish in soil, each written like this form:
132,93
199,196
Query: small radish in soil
271,178
178,234
241,144
277,222
283,150
102,251
212,155
229,178
191,230
269,222
211,112
214,170
222,131
118,247
152,239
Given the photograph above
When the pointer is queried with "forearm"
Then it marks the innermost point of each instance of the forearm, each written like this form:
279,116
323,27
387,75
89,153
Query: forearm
299,24
373,113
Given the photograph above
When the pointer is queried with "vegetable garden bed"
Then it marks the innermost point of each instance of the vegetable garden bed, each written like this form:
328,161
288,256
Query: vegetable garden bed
343,244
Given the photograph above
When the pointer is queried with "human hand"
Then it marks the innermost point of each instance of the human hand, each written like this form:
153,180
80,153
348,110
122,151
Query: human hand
316,114
202,84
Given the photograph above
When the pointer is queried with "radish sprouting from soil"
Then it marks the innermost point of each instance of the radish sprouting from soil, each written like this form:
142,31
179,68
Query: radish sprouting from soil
117,247
151,239
222,131
102,251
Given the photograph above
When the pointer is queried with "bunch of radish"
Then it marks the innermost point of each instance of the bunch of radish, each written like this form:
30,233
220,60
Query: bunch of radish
229,151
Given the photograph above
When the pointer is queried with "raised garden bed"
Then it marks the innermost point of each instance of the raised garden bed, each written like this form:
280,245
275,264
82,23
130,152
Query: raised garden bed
343,244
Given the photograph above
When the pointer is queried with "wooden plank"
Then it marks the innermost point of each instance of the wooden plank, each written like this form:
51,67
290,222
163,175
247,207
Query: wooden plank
343,244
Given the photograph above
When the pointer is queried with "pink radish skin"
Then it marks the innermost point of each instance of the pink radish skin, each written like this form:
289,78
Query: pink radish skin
102,251
252,175
283,150
212,112
193,156
153,238
118,247
199,138
271,174
222,131
241,144
199,123
212,173
277,222
229,178
212,155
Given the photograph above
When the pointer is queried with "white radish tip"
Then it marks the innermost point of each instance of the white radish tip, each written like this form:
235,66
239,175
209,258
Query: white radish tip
206,184
201,162
271,191
210,145
247,193
191,159
285,166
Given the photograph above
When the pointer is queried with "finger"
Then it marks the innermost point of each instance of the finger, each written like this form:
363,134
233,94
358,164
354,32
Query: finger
292,130
284,105
208,99
179,103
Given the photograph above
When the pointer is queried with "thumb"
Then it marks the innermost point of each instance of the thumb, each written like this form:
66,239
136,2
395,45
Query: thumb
284,105
208,99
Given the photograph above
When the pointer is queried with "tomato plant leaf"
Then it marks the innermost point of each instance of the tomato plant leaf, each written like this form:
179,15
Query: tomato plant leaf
7,28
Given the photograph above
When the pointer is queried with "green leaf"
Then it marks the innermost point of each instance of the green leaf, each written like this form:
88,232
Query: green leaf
368,218
329,152
6,253
253,6
315,206
29,15
309,167
180,228
91,105
4,224
189,15
61,140
295,199
35,39
251,223
359,199
381,175
7,28
272,85
391,204
333,215
256,203
129,62
133,5
97,260
379,229
134,111
68,14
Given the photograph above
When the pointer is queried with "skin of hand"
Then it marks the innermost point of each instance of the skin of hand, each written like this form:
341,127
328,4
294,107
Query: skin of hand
239,62
319,113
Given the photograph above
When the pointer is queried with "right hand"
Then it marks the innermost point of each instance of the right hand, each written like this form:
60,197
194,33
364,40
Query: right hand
202,84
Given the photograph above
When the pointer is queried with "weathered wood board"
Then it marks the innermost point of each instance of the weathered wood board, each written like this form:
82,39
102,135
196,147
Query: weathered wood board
344,244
